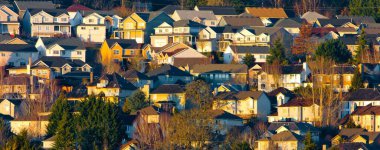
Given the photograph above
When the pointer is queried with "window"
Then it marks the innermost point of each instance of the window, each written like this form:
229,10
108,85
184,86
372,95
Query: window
56,28
83,28
292,76
22,63
39,28
212,22
10,63
116,52
46,19
55,19
16,54
63,19
159,30
263,57
79,53
3,54
90,20
166,30
36,20
56,52
132,52
96,28
187,78
47,28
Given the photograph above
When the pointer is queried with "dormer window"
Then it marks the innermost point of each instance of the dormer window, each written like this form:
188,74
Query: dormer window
90,20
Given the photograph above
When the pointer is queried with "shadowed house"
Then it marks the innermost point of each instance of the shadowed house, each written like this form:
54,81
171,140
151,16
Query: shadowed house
169,96
356,135
10,107
283,140
360,97
168,74
8,21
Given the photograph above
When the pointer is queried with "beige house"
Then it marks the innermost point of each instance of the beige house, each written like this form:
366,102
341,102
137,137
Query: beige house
356,135
92,28
297,109
285,140
46,23
34,126
150,114
205,17
10,107
8,21
367,117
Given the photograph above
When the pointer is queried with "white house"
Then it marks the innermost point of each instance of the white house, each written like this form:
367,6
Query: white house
69,48
204,17
208,39
17,54
237,53
361,97
92,28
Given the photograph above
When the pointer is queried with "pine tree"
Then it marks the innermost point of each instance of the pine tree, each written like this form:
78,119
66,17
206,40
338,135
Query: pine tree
135,102
334,50
308,142
65,137
59,108
357,81
362,43
249,60
277,53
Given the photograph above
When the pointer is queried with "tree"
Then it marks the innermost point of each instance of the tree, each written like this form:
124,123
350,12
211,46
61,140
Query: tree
303,45
308,142
277,53
249,60
5,132
135,102
362,46
199,94
59,108
20,142
364,8
357,81
65,137
240,146
334,50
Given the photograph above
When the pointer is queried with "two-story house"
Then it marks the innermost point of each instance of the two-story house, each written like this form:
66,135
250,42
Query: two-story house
357,137
236,53
219,74
46,23
92,28
114,87
297,109
60,66
119,50
245,104
69,48
219,11
367,117
8,21
284,140
289,76
17,54
182,31
36,126
168,74
360,97
208,39
139,26
18,86
267,15
21,7
10,107
241,21
300,128
222,121
204,17
340,78
279,97
169,96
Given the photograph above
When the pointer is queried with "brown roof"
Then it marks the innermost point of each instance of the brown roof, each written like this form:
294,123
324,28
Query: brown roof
266,12
241,95
367,110
239,21
183,62
150,110
298,101
365,94
286,136
221,114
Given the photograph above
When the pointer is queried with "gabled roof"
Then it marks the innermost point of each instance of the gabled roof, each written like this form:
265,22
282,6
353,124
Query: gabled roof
289,23
220,68
17,48
333,22
357,20
221,114
169,9
134,74
53,12
292,69
344,69
168,88
240,95
77,7
286,136
266,12
188,23
149,16
241,49
365,94
191,14
124,43
117,81
167,70
23,5
56,61
72,43
298,101
240,21
282,90
13,101
349,40
312,16
150,110
219,10
350,145
102,13
366,110
266,30
292,126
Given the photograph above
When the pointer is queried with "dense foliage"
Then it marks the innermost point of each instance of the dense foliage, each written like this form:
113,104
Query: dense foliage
277,53
334,50
135,102
249,60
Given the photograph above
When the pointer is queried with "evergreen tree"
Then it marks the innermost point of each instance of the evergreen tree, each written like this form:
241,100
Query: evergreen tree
65,137
362,42
60,106
249,60
277,53
308,142
357,81
334,50
135,102
5,132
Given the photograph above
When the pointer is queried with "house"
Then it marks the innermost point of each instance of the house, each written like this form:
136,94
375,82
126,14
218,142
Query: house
297,109
8,21
59,66
333,23
219,74
20,7
321,35
358,20
236,53
370,73
340,78
150,114
120,50
139,26
182,31
10,107
351,42
360,97
291,77
219,11
342,31
223,121
299,128
292,25
137,78
114,87
208,39
205,17
279,97
74,9
169,97
69,48
283,141
350,145
241,21
179,55
245,104
367,117
92,28
311,17
18,86
36,126
168,74
227,38
17,54
356,135
266,14
170,9
46,23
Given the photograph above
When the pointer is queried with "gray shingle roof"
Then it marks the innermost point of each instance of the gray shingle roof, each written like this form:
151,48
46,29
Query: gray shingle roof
133,74
72,43
54,61
167,70
117,81
357,20
169,9
23,5
220,68
125,43
17,48
187,23
293,126
334,22
53,12
219,10
168,88
365,94
288,23
221,114
250,49
286,136
240,21
191,14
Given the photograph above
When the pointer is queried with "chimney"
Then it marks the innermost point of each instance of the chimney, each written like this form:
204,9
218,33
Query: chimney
28,71
365,84
324,147
91,77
